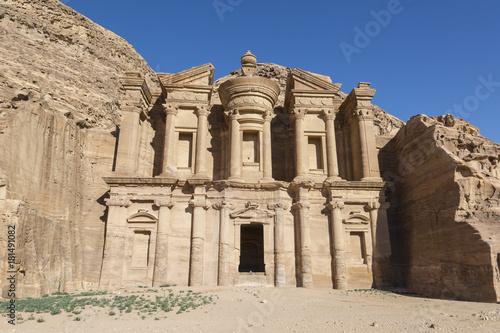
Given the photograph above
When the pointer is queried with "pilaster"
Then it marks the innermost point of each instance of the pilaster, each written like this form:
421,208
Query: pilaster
267,147
339,264
235,163
298,119
331,145
199,205
114,250
163,231
224,207
136,102
279,243
169,168
381,246
302,207
200,167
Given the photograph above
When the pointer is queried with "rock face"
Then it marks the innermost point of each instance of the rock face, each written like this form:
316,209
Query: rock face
445,221
59,108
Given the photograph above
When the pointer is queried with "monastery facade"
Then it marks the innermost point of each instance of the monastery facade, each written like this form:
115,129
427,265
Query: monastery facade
249,192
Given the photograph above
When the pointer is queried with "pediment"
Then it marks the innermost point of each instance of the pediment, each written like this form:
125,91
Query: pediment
251,211
198,76
142,217
357,219
303,80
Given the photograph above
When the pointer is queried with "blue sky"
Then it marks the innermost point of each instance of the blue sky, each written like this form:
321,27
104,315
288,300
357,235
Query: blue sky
431,57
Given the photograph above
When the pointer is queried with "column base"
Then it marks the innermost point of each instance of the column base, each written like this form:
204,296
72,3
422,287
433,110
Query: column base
167,175
267,180
235,179
334,179
372,179
126,174
200,176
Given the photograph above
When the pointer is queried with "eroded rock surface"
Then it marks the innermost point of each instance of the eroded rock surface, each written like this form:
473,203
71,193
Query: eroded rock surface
59,108
447,208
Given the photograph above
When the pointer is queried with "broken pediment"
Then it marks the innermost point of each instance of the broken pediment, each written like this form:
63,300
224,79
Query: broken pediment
197,76
356,219
302,80
253,213
192,85
142,217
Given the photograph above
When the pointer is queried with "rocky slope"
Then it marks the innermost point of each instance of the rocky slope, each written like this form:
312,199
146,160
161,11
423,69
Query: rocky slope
446,235
59,108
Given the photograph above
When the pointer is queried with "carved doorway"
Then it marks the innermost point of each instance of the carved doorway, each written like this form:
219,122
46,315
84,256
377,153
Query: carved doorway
252,248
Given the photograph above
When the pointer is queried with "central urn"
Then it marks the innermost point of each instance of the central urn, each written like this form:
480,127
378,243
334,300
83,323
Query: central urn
249,93
248,102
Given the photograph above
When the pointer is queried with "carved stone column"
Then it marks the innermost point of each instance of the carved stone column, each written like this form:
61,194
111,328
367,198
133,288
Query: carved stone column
267,146
168,147
331,146
302,212
162,234
279,244
128,141
380,241
114,251
224,207
137,101
200,167
368,148
340,272
298,116
199,204
235,165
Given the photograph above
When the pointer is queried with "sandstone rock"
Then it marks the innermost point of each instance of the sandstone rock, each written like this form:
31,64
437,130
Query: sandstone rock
447,205
59,108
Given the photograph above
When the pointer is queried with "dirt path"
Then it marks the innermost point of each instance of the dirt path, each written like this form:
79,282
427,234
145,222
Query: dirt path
258,309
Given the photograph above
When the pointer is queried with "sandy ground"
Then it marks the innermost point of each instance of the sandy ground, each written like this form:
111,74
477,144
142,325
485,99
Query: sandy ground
260,309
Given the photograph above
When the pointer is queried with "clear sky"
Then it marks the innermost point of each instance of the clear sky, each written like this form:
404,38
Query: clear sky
431,57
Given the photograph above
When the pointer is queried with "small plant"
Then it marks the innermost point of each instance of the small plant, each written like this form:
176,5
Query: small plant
77,319
112,313
40,320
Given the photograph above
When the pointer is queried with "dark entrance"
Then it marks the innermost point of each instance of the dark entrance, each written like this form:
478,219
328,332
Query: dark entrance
252,248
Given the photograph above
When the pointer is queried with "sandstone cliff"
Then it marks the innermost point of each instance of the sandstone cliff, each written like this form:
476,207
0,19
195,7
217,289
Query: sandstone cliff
59,108
446,230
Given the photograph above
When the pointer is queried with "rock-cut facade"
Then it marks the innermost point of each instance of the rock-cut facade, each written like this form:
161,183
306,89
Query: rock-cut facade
252,181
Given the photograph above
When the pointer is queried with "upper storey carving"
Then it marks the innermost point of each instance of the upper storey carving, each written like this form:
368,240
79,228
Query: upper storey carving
249,92
192,86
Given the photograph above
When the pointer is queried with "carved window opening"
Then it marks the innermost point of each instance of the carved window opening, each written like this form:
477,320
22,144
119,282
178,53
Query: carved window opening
185,150
252,248
251,147
358,247
315,152
140,251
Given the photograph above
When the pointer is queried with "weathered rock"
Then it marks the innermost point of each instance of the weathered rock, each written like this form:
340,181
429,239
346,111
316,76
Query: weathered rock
447,205
59,108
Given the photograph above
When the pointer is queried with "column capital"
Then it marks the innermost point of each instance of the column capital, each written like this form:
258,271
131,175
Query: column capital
332,205
201,110
329,114
233,113
299,113
170,109
277,206
224,204
166,202
120,202
268,116
301,205
199,202
363,113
